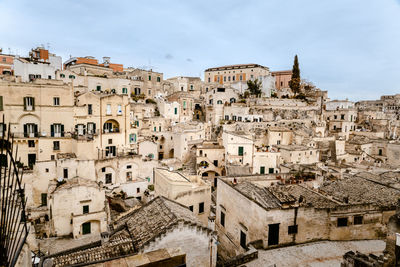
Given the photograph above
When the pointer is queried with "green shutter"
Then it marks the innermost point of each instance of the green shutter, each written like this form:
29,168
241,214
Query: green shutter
240,151
24,103
52,130
1,103
262,170
33,103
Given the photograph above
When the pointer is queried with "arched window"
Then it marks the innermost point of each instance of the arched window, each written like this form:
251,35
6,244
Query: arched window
219,102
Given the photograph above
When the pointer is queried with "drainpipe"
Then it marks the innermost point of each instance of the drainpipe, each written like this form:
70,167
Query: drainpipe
296,209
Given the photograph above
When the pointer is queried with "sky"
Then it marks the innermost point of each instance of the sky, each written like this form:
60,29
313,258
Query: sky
349,47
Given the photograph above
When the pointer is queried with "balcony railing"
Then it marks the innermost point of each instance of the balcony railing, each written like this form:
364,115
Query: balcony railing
112,130
41,135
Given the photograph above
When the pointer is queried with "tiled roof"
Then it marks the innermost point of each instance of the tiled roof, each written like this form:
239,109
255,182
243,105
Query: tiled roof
131,233
258,194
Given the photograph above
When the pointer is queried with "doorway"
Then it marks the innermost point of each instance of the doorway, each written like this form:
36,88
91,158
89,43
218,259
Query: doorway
273,234
31,160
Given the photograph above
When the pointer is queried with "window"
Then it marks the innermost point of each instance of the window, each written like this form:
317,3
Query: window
108,109
262,170
222,219
44,199
184,104
335,117
31,143
90,110
91,128
1,103
342,222
233,78
380,152
342,117
47,169
240,151
138,190
158,79
30,130
209,79
175,111
215,163
124,90
271,170
103,169
111,151
358,219
149,77
29,103
191,87
243,240
292,229
62,75
86,228
181,88
56,145
56,101
108,178
80,129
201,207
129,176
85,209
72,76
119,110
65,173
191,208
98,88
219,102
57,130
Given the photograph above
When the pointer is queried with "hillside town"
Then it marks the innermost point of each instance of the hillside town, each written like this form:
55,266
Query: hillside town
123,166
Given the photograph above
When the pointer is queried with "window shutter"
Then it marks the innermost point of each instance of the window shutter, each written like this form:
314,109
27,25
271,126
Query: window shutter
25,130
84,129
52,130
1,103
76,128
35,128
24,103
94,128
62,130
33,103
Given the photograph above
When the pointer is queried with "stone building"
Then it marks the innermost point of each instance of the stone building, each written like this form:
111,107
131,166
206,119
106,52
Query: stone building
233,73
254,211
160,224
190,191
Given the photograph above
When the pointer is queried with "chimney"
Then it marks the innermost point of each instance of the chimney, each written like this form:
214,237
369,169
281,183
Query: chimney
106,61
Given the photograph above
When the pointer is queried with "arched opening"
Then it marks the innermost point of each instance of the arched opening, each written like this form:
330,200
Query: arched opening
111,126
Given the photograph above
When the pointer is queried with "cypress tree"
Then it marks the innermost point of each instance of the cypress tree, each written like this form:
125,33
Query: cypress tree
295,81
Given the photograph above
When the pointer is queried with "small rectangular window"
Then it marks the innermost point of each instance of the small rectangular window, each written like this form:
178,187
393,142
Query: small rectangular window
56,145
44,199
65,173
292,229
90,110
138,190
31,143
56,101
222,221
342,222
243,240
358,219
108,178
86,228
191,208
85,209
201,207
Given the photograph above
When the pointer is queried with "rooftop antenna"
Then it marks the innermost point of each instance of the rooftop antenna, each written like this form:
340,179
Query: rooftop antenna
48,46
9,51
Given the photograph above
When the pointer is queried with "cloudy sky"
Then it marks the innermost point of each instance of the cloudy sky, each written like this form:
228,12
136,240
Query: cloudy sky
349,47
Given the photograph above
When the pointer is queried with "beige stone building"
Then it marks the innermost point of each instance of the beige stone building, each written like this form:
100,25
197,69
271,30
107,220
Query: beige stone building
190,191
233,73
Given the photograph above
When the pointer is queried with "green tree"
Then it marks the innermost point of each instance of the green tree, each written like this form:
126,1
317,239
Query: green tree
254,87
294,83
